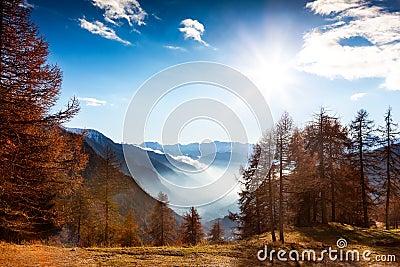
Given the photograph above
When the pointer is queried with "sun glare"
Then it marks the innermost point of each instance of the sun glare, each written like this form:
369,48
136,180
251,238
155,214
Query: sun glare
271,74
267,64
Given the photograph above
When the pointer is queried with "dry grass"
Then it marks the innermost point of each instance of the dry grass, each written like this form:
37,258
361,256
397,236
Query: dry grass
242,253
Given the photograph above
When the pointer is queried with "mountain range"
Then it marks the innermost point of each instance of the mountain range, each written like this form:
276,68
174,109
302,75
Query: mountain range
172,162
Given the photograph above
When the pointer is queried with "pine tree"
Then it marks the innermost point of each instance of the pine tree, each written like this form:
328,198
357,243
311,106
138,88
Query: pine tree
162,229
40,162
191,230
216,233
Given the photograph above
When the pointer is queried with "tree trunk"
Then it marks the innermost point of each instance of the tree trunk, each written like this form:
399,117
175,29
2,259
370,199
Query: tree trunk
387,208
322,170
333,199
271,207
281,236
362,181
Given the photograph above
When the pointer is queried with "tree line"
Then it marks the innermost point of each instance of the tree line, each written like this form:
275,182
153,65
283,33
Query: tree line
323,172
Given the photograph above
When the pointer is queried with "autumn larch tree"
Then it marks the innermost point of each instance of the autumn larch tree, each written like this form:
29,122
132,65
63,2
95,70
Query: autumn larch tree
326,139
302,179
391,157
363,137
268,187
129,233
39,161
284,129
106,186
191,230
216,233
162,228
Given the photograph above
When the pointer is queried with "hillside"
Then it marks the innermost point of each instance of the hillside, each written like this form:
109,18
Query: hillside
129,196
241,253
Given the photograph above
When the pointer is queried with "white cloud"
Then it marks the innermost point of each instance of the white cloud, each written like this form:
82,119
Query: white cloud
93,102
185,159
327,7
392,81
194,30
99,28
324,54
171,47
129,10
357,96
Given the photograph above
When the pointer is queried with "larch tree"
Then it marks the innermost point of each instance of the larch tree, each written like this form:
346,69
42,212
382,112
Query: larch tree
301,182
268,187
162,228
216,233
391,158
326,139
284,129
191,230
362,131
40,161
106,186
130,233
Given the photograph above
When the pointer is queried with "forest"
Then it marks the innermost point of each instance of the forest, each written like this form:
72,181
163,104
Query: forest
53,187
324,172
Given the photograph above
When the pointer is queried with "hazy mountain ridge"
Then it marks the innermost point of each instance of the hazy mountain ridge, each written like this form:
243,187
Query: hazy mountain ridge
193,150
162,163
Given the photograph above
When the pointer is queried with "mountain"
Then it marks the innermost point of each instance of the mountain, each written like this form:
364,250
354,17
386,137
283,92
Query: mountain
190,165
130,196
195,150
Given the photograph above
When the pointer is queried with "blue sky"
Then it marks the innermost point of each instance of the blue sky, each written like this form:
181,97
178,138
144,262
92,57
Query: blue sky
340,54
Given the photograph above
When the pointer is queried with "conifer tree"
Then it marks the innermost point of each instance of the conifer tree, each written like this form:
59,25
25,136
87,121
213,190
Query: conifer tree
216,233
162,228
129,231
40,162
284,130
268,187
191,230
249,217
391,160
363,137
326,139
105,186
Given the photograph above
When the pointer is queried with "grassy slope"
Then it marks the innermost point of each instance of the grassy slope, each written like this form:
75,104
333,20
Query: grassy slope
242,253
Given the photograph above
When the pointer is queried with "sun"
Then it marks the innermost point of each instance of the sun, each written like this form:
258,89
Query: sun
272,74
267,64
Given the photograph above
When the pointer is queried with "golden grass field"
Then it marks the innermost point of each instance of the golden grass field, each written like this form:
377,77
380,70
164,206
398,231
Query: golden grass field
241,253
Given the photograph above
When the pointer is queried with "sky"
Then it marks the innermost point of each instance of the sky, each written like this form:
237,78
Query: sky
343,55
